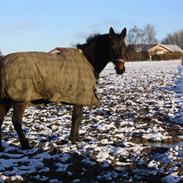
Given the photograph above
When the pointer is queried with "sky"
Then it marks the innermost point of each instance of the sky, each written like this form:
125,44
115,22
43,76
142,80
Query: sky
42,25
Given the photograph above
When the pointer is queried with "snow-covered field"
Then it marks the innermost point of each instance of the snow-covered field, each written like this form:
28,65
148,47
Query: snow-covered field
135,135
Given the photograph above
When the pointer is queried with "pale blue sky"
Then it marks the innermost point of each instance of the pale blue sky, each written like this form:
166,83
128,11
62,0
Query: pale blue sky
42,25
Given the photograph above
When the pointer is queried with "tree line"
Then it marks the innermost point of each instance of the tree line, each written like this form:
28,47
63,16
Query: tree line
175,38
139,40
147,35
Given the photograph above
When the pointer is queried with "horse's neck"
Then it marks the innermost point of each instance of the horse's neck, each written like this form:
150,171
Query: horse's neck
97,55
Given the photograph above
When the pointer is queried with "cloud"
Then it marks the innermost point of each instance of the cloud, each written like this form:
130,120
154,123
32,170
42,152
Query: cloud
81,35
84,35
20,25
106,23
101,26
24,24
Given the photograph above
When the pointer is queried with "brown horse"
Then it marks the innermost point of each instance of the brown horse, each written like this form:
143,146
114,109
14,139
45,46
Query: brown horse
98,50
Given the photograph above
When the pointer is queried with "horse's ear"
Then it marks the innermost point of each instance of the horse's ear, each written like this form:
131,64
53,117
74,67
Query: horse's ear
111,32
123,33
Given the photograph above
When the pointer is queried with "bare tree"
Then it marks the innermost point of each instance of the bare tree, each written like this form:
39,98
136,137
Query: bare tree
134,35
175,38
147,35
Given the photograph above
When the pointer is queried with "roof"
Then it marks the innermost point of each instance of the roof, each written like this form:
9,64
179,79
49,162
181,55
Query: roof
56,50
172,47
169,47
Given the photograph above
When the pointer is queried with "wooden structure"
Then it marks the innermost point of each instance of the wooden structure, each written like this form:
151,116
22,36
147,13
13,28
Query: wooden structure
163,49
57,50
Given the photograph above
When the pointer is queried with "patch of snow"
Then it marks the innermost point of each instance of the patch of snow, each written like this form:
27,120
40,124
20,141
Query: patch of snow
171,178
61,167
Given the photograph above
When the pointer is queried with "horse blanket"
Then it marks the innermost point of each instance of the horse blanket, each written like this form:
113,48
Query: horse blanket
67,77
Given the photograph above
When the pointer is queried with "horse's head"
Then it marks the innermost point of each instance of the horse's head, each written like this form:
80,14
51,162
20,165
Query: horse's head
117,50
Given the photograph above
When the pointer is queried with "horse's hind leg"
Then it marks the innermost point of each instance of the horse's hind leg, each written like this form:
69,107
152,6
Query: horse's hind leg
4,108
76,120
18,111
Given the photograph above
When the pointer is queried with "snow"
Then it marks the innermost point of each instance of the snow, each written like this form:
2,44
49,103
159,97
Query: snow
172,178
135,133
60,167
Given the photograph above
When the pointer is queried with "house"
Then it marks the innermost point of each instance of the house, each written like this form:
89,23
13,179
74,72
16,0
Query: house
59,50
165,49
56,50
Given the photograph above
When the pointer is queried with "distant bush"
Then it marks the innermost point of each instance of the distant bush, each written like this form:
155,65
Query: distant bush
167,56
133,55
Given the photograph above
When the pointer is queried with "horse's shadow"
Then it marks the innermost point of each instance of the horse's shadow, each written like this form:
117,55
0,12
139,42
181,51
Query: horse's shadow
65,163
53,164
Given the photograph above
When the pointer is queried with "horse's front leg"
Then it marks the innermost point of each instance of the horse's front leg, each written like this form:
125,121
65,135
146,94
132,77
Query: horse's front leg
76,120
18,111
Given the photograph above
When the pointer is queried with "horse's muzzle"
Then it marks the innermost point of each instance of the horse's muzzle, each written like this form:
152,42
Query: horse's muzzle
120,66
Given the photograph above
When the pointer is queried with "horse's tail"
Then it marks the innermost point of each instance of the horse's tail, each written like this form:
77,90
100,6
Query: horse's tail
1,66
1,61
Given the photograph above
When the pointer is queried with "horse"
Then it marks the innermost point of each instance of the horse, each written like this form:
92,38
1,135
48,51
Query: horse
99,50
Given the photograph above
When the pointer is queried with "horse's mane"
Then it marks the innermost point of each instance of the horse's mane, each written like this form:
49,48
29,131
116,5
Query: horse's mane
92,38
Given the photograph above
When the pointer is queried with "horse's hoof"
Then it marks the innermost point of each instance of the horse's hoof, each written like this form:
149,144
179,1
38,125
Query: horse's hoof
1,148
73,140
